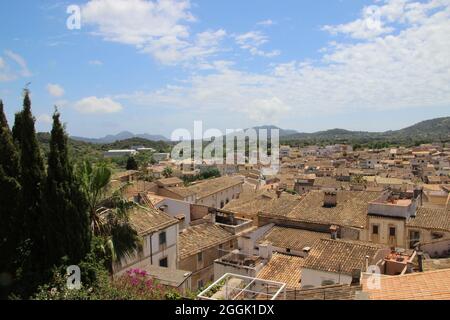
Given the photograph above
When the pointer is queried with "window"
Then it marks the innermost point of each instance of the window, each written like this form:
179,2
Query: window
231,244
200,256
200,284
436,235
414,237
375,229
221,204
164,263
288,250
392,231
162,238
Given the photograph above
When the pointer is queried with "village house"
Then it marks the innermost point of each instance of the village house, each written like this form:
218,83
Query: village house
199,246
159,234
339,262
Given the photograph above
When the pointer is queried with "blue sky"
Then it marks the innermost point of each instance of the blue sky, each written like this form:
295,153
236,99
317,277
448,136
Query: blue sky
155,66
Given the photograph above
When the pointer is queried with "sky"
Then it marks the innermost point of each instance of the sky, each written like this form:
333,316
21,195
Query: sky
156,66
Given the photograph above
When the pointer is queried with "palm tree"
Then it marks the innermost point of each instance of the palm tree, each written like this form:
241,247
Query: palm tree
108,211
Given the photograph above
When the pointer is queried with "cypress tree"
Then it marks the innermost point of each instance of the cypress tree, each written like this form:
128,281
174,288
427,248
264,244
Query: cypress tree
32,180
66,223
132,164
10,221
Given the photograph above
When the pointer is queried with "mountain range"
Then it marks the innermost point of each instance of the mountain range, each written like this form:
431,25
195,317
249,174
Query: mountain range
124,135
426,131
430,130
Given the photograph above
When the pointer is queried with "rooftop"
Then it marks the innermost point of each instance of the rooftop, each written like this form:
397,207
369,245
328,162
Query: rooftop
436,264
283,268
169,181
198,238
351,208
250,204
148,220
433,285
431,218
340,256
208,187
291,238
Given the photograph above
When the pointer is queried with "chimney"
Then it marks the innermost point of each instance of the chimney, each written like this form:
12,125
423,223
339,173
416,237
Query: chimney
265,250
334,232
330,199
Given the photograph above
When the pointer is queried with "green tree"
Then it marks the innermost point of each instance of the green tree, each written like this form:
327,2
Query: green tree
32,180
132,164
109,213
167,172
10,224
66,222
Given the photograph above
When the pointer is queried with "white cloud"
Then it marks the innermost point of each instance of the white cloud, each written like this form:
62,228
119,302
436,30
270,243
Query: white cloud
252,40
378,20
18,59
13,66
55,90
408,68
97,105
159,28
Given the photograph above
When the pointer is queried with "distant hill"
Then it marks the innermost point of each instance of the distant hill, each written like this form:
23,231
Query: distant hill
94,151
283,132
426,131
124,135
434,130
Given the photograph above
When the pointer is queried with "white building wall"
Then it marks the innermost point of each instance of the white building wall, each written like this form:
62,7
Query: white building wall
176,207
154,253
315,278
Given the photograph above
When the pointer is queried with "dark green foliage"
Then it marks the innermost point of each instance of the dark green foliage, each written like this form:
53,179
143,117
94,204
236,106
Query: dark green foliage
65,222
435,130
32,180
9,199
206,174
132,164
167,172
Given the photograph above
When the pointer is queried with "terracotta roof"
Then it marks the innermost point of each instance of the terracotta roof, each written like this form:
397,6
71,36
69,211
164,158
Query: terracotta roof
340,256
169,181
334,292
148,220
283,268
433,285
181,191
436,264
249,205
208,187
198,238
431,218
291,238
330,182
351,208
